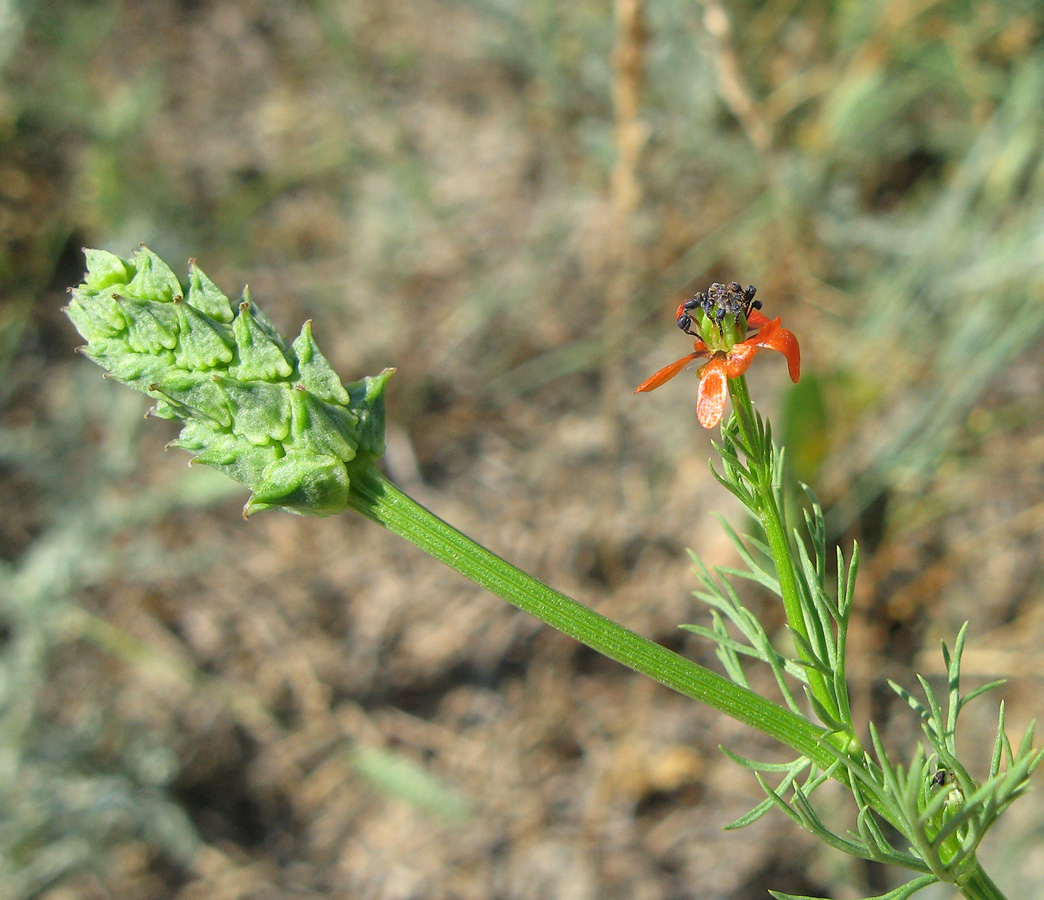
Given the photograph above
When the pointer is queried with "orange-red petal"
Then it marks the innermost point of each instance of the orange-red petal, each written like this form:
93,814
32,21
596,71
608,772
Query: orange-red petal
773,337
668,372
740,357
710,401
757,319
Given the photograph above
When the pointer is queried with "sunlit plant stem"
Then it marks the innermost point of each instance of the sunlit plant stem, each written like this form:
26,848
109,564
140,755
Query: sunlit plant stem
378,499
767,487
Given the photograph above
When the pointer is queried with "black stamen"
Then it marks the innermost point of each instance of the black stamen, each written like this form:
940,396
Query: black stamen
730,299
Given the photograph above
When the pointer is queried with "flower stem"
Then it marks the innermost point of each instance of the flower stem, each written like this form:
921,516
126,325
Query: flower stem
979,886
378,499
762,466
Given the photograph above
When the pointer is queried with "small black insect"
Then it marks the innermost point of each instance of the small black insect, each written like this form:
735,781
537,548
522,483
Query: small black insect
942,776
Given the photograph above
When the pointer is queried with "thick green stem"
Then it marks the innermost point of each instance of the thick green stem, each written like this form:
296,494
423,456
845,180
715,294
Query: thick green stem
771,519
378,499
979,886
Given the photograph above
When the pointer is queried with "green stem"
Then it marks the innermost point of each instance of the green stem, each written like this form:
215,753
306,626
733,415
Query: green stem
979,886
776,534
378,499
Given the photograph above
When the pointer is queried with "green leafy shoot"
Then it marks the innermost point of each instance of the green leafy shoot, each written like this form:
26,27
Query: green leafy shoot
270,414
928,816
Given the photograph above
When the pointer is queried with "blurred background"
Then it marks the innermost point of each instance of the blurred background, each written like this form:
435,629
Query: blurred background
506,200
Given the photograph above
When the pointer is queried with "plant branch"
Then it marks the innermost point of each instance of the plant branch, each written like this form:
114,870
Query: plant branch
771,518
378,499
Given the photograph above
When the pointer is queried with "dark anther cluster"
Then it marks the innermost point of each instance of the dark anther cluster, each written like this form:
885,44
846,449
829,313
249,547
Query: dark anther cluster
719,301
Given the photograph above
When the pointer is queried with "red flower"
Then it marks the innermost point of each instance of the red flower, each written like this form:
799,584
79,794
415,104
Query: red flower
730,363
